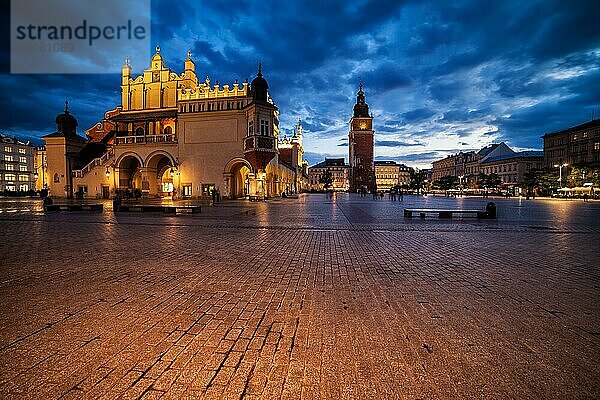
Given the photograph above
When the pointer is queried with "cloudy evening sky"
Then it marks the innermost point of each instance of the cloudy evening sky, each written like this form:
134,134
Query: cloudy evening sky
439,77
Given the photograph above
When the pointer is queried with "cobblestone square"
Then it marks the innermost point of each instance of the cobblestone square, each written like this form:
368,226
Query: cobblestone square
308,298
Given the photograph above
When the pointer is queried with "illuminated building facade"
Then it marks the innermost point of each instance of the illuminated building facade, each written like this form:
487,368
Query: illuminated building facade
340,172
578,145
361,146
390,174
174,135
17,172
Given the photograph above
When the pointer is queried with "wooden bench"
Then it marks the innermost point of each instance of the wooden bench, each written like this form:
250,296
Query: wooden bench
74,207
408,213
194,209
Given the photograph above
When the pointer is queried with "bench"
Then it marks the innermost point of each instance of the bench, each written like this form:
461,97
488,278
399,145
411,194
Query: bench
408,212
73,207
194,209
488,213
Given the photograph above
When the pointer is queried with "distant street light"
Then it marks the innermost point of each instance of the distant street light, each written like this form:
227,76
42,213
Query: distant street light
560,172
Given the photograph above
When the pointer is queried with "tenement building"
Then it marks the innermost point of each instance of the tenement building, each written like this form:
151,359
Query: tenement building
576,146
390,174
340,172
466,165
174,135
17,172
361,146
511,168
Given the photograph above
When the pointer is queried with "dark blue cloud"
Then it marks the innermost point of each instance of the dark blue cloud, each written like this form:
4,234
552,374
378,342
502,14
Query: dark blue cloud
396,143
462,73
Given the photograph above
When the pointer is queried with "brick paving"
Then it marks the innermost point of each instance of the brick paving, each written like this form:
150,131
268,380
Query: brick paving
305,298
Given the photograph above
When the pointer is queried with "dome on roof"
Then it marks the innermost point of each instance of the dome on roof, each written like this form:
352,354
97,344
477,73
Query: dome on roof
66,123
259,86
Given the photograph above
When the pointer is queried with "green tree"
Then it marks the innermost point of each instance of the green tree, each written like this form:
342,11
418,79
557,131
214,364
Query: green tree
326,179
417,180
493,180
482,180
448,182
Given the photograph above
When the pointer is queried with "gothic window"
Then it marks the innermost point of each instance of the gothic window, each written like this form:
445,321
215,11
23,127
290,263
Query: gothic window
168,130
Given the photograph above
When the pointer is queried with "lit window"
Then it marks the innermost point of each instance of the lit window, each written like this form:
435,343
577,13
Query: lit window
22,168
8,149
187,190
596,146
9,177
21,151
23,178
23,159
8,157
10,167
24,188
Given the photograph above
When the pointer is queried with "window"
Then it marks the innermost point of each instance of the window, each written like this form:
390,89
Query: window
24,188
8,149
596,146
23,178
264,127
8,157
9,167
168,130
187,190
56,178
250,128
139,132
9,177
22,168
585,135
22,159
22,151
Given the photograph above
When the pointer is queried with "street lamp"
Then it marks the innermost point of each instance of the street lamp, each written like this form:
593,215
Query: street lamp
560,166
107,172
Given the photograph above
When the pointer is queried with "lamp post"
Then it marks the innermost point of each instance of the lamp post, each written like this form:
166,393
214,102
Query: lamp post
560,167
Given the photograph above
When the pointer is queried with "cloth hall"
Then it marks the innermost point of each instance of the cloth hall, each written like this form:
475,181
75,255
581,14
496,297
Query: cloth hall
174,135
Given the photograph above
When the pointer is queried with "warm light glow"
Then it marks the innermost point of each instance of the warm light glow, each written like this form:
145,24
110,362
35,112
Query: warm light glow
107,172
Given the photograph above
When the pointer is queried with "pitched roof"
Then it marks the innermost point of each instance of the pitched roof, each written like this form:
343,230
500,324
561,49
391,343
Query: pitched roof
331,162
590,124
521,154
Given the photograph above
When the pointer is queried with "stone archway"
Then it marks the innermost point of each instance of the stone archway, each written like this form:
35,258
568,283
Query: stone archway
239,177
161,175
130,173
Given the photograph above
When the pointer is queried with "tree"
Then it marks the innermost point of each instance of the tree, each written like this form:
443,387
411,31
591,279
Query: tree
543,181
326,179
417,180
448,182
482,180
493,180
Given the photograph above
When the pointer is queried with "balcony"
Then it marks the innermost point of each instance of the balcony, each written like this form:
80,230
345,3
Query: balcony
259,150
146,139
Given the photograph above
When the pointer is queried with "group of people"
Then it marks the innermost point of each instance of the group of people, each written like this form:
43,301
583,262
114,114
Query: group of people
394,195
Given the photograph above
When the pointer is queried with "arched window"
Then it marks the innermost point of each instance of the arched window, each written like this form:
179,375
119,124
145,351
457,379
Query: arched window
168,130
139,132
56,178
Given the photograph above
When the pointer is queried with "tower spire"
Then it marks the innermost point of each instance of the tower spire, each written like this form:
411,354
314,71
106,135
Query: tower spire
66,105
259,69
